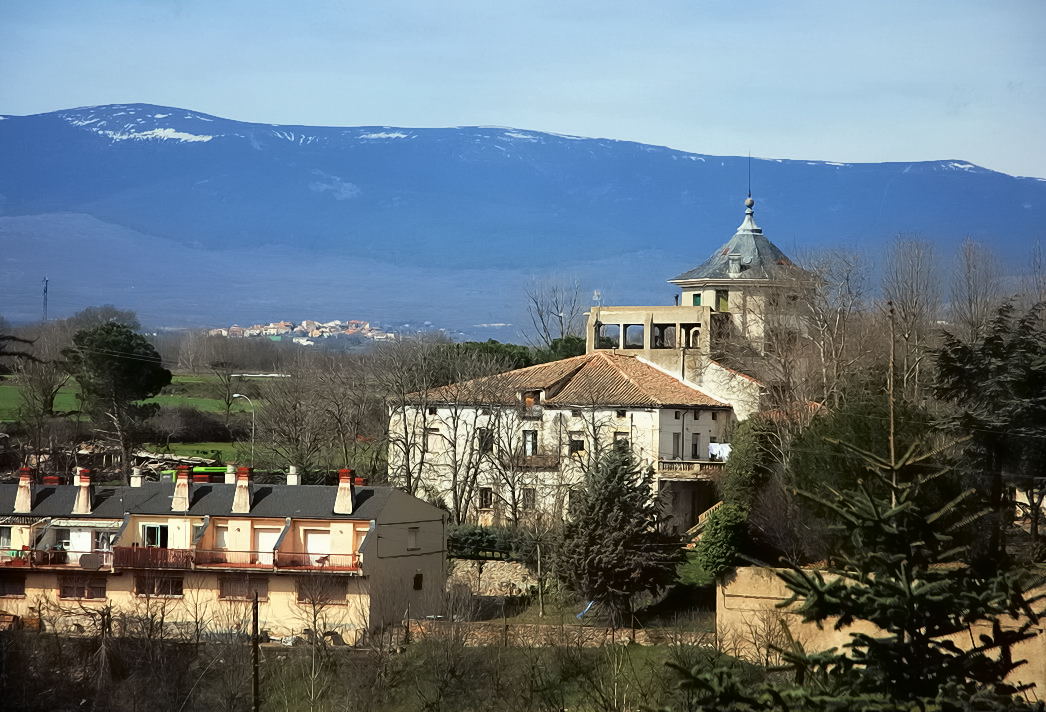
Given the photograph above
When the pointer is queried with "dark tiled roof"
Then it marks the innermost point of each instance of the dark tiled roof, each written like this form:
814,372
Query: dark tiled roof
599,379
759,258
295,501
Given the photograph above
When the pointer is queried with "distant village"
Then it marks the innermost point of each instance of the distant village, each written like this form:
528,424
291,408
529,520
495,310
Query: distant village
306,332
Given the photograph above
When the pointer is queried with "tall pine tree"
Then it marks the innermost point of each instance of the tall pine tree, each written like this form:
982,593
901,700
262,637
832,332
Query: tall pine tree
613,546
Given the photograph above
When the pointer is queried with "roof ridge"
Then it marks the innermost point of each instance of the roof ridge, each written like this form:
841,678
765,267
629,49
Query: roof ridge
683,381
631,380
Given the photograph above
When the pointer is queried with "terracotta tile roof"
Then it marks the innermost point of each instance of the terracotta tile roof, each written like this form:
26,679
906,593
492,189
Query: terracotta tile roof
602,378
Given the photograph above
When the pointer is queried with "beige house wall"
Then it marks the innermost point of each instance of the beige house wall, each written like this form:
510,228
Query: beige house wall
747,608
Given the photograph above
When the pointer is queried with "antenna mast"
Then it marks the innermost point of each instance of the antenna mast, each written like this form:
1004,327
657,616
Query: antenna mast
749,174
45,299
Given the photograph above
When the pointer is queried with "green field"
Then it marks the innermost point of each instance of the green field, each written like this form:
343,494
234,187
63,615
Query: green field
183,391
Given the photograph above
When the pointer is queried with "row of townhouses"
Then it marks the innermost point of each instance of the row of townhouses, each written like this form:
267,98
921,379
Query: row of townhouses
348,558
515,445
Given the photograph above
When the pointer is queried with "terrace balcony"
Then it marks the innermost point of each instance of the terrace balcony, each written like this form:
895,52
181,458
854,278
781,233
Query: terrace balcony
224,559
689,469
58,559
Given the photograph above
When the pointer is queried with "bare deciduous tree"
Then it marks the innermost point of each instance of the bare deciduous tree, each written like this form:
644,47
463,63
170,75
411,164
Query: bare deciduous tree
975,289
556,309
910,284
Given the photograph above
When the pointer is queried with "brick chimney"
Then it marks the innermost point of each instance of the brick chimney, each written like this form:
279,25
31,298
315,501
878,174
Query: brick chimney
82,503
241,496
136,477
293,478
345,500
24,495
230,474
182,490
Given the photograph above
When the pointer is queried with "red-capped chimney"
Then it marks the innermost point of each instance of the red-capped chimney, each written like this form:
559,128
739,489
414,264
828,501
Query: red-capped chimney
182,490
345,500
241,497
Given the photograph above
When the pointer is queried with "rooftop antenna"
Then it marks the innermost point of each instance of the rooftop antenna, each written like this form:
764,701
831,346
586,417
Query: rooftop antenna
749,174
45,299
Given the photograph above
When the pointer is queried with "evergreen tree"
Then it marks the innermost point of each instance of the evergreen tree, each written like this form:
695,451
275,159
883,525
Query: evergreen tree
613,547
998,385
945,629
116,367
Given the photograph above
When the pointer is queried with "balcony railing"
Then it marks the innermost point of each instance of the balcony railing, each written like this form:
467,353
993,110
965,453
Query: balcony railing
150,557
223,558
690,468
154,558
55,558
316,562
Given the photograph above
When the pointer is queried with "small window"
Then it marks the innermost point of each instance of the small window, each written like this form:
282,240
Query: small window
155,535
713,439
486,498
5,537
677,415
433,439
575,413
242,587
722,300
530,442
695,446
12,584
484,411
103,540
322,589
221,537
81,586
622,413
158,585
528,499
676,446
697,300
485,438
621,437
62,539
412,538
432,411
419,582
713,415
576,445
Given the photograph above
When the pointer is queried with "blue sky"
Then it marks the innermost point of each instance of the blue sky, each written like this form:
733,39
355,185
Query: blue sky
844,81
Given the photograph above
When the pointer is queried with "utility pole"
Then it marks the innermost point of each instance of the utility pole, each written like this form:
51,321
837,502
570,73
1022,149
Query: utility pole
45,299
255,701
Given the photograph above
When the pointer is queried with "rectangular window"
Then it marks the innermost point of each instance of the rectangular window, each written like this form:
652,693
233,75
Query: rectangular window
620,437
158,585
530,442
12,584
412,538
103,540
713,439
529,498
713,415
432,411
433,439
576,445
322,589
242,587
155,535
677,415
419,582
61,539
575,413
81,586
621,413
695,446
722,300
486,498
221,537
697,300
5,537
531,398
486,440
676,445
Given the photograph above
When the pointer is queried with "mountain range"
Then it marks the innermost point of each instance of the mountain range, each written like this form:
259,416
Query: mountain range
193,219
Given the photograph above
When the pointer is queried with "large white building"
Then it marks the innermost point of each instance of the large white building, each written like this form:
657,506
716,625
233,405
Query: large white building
514,445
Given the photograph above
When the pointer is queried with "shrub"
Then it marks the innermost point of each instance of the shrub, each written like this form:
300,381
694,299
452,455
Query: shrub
722,538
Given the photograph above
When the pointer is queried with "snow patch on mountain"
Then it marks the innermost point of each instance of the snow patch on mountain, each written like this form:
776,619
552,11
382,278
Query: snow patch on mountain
162,134
384,134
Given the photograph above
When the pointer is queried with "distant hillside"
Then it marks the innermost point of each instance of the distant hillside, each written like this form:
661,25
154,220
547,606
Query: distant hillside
186,216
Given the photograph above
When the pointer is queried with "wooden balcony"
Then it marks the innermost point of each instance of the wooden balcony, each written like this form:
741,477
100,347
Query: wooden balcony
149,557
688,469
